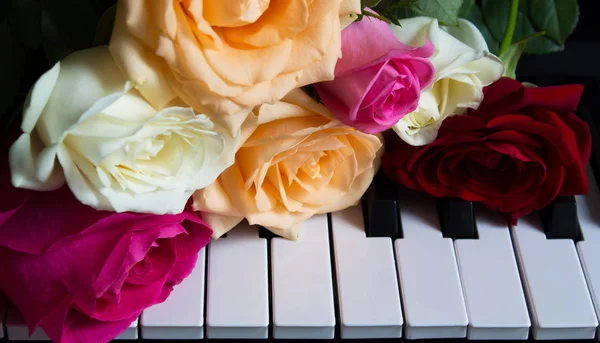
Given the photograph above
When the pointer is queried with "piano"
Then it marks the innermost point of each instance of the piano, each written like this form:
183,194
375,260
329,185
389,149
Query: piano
399,265
402,265
422,268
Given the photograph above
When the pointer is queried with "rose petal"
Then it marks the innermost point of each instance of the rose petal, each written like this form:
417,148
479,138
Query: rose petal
559,99
80,328
360,34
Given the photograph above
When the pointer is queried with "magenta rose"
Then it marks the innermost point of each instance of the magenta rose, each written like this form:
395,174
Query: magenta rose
84,275
3,301
378,80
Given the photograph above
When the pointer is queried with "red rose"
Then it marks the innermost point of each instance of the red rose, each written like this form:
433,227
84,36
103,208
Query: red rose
518,151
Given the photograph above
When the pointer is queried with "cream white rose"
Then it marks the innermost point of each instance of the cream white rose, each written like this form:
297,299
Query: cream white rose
463,66
84,124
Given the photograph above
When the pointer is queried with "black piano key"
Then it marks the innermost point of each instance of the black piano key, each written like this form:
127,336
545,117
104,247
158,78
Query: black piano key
380,208
336,298
559,219
457,218
265,233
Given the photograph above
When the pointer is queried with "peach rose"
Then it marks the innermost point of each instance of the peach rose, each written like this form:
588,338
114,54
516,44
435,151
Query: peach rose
295,161
228,56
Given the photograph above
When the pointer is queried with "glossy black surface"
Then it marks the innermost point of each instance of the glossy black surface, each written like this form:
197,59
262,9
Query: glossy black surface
264,233
457,219
380,208
560,219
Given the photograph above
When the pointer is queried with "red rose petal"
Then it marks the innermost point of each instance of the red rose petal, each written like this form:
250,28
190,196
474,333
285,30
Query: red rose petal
581,130
575,181
563,98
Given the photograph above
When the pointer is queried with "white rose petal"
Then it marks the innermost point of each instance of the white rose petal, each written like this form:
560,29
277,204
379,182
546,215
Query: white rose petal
85,124
463,66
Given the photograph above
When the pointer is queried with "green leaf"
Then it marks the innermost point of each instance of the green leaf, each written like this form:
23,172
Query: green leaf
511,56
542,45
394,10
373,15
445,11
465,8
495,16
369,3
24,19
558,18
404,4
476,18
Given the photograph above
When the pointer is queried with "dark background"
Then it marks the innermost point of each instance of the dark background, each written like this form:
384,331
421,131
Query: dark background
579,62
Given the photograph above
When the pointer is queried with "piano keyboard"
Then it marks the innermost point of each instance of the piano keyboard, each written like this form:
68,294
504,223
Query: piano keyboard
337,281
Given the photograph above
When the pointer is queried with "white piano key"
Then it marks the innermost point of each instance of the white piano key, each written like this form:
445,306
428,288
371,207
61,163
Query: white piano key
131,332
237,285
302,285
181,316
433,301
588,212
369,299
557,295
16,329
492,287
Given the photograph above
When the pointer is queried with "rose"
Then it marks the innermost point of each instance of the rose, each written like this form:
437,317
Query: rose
3,301
295,161
463,66
378,80
519,150
84,275
82,123
227,55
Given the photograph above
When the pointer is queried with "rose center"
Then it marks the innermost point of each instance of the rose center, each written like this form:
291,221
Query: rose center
167,151
233,13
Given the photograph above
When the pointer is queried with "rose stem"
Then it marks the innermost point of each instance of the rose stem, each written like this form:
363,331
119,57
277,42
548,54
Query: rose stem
510,26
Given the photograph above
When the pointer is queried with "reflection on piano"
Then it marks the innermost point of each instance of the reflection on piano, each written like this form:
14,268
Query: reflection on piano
340,280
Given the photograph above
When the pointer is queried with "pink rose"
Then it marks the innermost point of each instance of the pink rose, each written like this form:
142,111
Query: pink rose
3,301
378,80
83,275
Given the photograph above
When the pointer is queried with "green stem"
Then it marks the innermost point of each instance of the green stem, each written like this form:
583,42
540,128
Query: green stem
510,27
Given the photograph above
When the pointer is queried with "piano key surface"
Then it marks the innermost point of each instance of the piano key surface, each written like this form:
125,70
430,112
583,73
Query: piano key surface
557,294
588,211
237,285
130,333
302,286
17,330
431,289
181,316
369,298
370,289
491,283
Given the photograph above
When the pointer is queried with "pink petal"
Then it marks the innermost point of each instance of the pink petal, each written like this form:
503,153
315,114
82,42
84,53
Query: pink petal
43,219
80,328
365,41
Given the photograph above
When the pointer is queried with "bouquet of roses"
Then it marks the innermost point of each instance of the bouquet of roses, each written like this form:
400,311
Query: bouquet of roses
197,115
